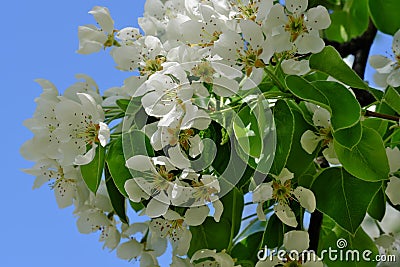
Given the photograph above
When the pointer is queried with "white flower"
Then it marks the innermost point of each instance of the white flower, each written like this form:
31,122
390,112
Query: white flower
310,140
64,180
92,39
154,179
296,29
173,227
281,190
216,258
389,244
249,50
293,241
295,67
44,144
393,187
80,124
388,71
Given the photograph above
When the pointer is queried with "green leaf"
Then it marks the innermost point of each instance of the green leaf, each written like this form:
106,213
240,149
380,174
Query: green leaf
284,123
298,167
392,98
233,208
93,171
377,208
136,142
350,22
247,248
385,15
337,99
379,125
210,235
247,132
273,235
253,226
367,160
336,68
116,164
355,247
123,103
118,201
343,197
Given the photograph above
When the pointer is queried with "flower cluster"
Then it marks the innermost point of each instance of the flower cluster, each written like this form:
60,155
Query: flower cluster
191,61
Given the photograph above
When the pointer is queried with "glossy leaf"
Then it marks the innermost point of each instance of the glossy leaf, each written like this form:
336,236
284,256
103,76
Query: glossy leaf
392,99
210,234
284,123
336,68
118,200
349,22
377,208
367,160
385,15
92,172
233,208
352,247
343,197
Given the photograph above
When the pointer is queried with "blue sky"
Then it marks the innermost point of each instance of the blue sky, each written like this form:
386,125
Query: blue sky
39,40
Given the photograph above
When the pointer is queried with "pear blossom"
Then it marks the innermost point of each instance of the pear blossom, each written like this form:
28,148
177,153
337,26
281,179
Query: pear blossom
282,191
388,71
389,244
64,180
155,179
173,227
293,241
310,140
393,186
252,10
222,258
45,143
292,28
93,39
80,124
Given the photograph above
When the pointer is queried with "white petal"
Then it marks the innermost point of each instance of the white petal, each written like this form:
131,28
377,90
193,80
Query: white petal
285,175
177,158
218,209
196,146
156,208
104,133
139,163
225,87
296,6
87,158
296,240
286,215
318,18
394,78
262,193
305,197
330,154
260,212
281,42
308,43
393,155
309,141
295,67
393,189
129,250
396,43
102,16
252,33
65,192
196,215
322,118
381,63
134,192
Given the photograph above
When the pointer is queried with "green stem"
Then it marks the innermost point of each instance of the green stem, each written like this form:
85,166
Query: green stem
275,80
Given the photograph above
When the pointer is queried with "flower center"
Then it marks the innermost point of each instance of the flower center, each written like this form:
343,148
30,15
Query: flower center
249,59
90,133
248,11
295,26
281,192
292,264
204,71
152,66
184,137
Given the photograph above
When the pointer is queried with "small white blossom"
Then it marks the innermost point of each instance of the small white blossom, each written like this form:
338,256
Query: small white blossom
388,71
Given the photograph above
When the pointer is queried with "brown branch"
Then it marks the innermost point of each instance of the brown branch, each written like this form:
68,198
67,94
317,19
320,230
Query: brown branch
382,116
